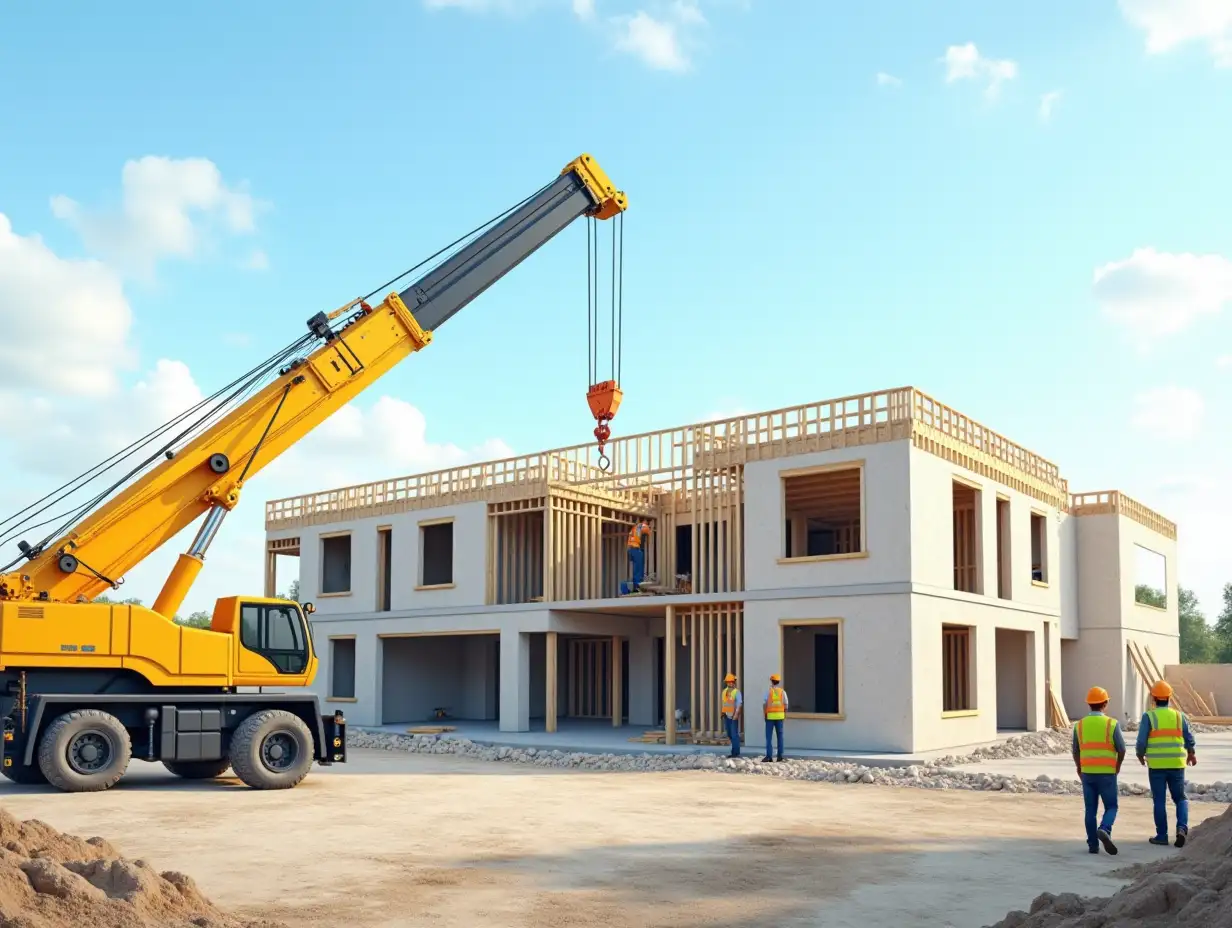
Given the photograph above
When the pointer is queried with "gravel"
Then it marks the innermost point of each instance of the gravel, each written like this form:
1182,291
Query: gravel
939,774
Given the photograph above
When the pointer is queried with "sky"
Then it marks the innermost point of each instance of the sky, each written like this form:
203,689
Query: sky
1021,208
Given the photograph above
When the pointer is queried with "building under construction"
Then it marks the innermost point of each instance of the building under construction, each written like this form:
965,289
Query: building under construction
920,582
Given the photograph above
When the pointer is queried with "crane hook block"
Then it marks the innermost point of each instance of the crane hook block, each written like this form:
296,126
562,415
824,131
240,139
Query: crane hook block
604,399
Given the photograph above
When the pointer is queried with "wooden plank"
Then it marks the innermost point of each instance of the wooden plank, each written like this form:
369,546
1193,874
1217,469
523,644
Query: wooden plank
669,677
430,730
552,698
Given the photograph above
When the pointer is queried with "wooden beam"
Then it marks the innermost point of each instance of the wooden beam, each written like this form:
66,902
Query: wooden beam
549,713
669,677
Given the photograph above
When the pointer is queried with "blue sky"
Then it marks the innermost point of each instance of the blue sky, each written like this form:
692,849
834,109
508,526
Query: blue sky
1021,208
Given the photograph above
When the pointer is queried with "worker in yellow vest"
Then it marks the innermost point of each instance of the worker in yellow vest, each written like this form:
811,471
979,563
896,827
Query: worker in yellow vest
733,705
1099,751
774,707
1166,745
637,551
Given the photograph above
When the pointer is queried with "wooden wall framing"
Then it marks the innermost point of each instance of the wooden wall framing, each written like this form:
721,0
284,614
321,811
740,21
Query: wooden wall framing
274,548
966,537
713,637
958,683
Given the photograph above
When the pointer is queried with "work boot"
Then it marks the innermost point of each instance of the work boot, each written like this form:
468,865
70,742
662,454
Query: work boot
1161,842
1106,840
1181,834
1093,849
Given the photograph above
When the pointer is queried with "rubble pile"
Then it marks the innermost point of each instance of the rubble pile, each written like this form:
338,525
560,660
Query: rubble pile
1192,887
53,880
922,776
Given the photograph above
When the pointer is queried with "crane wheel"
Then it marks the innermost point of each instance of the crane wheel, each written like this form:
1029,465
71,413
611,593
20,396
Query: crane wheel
198,769
272,749
84,751
24,774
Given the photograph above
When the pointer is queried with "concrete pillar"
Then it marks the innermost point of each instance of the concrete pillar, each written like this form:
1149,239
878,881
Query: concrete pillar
642,672
515,680
369,657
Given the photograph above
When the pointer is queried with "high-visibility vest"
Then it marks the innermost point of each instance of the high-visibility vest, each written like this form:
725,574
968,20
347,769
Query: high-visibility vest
1096,749
1165,745
776,704
729,700
635,534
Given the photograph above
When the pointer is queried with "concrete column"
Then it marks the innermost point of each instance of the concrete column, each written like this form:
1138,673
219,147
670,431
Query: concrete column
515,680
642,681
368,660
1037,716
618,683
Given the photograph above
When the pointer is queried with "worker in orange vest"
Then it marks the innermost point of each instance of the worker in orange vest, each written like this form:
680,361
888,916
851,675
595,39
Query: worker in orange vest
733,705
1166,747
774,707
1099,751
637,551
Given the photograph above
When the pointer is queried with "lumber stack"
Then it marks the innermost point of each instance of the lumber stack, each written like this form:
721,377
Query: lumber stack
430,730
1057,716
684,736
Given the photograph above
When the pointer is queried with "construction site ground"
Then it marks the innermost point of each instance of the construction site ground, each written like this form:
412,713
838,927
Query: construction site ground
395,839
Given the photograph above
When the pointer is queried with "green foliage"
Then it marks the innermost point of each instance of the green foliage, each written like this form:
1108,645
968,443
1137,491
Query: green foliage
196,620
1198,644
1150,596
1223,628
131,601
292,592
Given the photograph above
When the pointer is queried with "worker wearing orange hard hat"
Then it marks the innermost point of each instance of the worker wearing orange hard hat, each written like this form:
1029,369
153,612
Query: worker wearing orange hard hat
1099,751
1165,746
635,545
774,707
733,705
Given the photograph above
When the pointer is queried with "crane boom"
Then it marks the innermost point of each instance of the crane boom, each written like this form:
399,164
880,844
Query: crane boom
206,475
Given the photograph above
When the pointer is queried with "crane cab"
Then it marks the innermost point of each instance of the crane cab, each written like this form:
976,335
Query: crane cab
273,640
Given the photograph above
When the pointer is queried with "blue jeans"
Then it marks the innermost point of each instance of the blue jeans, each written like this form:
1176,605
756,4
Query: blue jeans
732,727
774,727
1164,782
1097,788
637,558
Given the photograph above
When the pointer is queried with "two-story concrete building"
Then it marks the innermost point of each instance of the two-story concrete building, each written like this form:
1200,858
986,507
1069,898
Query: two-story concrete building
919,581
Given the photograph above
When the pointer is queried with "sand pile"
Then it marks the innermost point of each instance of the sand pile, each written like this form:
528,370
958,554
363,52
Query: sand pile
53,880
1192,887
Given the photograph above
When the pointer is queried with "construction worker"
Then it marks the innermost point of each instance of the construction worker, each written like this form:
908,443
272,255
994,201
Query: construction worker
774,707
1099,751
637,551
733,705
1165,746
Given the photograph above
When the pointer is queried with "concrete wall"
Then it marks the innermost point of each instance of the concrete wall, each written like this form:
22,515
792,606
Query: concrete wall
886,515
1206,679
1067,580
469,562
932,534
875,655
457,673
1013,692
935,729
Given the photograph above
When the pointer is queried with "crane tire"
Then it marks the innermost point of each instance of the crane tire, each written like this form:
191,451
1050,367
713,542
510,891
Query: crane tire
84,751
24,774
198,769
272,749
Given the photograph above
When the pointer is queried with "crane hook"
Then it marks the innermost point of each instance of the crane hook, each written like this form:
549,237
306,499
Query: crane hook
604,399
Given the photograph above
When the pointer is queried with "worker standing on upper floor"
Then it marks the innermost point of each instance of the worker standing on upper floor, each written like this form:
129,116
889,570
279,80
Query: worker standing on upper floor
1165,745
637,551
1099,751
774,707
733,705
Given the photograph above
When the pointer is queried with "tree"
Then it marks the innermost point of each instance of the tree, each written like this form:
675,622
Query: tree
131,601
292,593
1150,596
1197,640
196,620
1223,628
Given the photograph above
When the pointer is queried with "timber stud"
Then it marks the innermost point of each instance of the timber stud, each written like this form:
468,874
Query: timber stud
219,463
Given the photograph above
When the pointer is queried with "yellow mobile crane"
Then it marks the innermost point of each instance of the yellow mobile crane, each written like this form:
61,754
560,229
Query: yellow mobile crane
85,686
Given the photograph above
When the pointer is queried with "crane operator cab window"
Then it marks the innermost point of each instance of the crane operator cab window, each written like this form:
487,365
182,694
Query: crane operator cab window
277,633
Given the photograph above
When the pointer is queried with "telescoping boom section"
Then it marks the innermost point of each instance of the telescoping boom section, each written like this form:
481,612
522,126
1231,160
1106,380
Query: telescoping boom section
85,684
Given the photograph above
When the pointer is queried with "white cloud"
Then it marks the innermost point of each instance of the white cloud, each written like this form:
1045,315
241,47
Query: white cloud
1047,102
166,208
887,80
1170,413
964,62
65,322
257,261
1155,293
1169,24
656,42
584,9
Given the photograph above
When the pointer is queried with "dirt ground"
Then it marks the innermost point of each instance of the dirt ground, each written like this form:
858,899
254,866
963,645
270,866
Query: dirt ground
398,840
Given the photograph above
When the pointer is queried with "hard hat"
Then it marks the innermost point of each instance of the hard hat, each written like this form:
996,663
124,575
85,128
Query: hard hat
775,678
1162,690
1096,695
730,678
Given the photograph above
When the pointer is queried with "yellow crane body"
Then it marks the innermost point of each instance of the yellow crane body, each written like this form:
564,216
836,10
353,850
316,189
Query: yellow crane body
86,685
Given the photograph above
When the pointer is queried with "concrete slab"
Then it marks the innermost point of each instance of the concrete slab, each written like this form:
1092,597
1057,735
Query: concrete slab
590,736
1214,763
